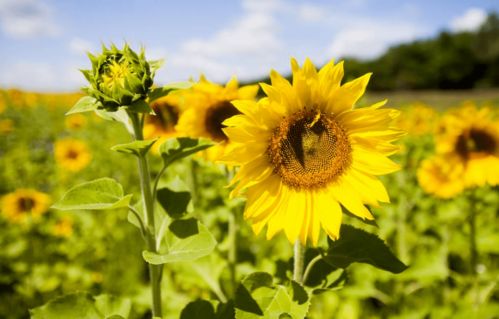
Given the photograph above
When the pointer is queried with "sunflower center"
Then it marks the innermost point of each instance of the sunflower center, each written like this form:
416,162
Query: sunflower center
25,204
72,154
215,116
115,72
167,116
309,150
475,141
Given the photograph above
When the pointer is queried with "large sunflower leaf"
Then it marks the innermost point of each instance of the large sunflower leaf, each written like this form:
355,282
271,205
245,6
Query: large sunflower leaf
82,305
186,240
356,245
102,193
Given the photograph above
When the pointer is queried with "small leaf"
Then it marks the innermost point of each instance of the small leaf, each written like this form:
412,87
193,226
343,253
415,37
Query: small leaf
187,240
80,305
355,245
176,148
139,106
154,65
174,203
156,93
136,147
85,104
112,306
257,297
198,309
103,193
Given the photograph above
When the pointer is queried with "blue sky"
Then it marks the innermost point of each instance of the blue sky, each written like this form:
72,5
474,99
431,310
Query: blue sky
43,42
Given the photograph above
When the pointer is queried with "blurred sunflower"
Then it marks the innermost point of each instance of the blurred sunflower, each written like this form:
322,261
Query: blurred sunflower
18,205
3,104
305,151
63,228
418,119
471,136
441,176
162,124
207,106
72,155
75,121
6,126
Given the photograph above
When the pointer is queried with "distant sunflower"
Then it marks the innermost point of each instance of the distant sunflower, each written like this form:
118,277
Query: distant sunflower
72,155
6,126
75,121
471,136
18,205
441,176
418,119
207,106
63,228
162,124
305,151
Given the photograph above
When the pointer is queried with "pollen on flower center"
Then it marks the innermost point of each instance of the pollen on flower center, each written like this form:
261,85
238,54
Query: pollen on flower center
309,150
475,141
215,116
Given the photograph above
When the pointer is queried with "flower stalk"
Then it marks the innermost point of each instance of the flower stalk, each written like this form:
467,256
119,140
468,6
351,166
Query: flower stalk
150,233
299,255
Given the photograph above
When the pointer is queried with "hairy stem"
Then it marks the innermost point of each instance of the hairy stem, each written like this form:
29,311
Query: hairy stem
147,198
299,253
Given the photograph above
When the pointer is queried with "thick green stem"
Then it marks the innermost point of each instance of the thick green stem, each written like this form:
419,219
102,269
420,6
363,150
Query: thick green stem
147,198
299,254
232,250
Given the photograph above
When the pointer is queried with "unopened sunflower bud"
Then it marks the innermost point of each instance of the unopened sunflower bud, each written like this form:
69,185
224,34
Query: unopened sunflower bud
118,77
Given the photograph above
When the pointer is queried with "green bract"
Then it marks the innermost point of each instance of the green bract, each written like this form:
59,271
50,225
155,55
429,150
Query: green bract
119,78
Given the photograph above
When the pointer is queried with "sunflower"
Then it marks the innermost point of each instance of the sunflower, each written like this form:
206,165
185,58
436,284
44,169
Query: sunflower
162,124
441,176
207,106
18,205
6,126
418,119
72,155
75,121
63,227
471,136
305,152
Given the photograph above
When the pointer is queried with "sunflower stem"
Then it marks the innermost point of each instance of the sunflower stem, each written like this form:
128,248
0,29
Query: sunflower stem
299,254
232,250
147,198
473,247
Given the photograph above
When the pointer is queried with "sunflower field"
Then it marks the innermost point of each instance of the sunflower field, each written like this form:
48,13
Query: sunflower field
296,199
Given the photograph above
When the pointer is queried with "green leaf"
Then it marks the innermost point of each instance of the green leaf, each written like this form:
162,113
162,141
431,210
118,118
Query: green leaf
110,306
119,116
82,305
154,65
198,309
186,240
174,203
139,106
176,148
136,147
356,245
156,93
103,193
257,297
85,104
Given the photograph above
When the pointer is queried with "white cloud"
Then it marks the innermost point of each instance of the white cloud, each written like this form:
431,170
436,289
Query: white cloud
469,21
41,76
311,13
81,46
246,47
369,39
27,19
